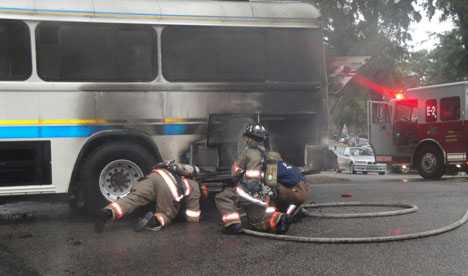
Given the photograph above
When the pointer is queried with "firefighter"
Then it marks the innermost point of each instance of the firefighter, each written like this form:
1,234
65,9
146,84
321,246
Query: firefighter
291,190
166,186
249,192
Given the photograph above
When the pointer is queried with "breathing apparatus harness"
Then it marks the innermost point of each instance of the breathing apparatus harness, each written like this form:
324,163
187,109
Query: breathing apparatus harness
177,171
258,187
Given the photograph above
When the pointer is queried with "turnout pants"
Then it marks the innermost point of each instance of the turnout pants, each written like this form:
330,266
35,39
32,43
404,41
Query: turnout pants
229,203
291,196
153,188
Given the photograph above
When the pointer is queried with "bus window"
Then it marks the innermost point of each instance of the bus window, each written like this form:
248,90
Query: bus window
15,50
213,54
96,52
241,55
450,109
295,55
25,163
431,110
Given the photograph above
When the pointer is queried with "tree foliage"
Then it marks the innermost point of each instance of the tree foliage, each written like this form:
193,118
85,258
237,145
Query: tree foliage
352,112
448,61
455,9
376,28
417,69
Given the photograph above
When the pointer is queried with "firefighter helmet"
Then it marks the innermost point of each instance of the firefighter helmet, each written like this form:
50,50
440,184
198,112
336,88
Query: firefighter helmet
256,132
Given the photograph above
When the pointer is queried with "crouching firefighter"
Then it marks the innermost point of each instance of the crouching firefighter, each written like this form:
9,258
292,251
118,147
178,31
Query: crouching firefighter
288,184
249,193
168,187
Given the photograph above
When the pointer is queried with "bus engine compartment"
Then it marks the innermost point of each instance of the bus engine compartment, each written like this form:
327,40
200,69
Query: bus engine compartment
294,136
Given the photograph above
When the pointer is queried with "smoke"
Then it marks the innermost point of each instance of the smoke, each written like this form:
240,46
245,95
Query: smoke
369,84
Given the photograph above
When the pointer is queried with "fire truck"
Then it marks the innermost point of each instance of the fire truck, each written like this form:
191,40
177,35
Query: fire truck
423,128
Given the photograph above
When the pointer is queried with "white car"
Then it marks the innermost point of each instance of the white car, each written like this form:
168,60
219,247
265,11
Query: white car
361,159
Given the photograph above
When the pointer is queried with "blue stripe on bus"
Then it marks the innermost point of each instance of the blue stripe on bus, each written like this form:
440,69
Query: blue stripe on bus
155,14
174,129
50,131
18,132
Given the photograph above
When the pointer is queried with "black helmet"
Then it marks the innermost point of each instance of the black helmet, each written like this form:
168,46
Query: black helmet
256,132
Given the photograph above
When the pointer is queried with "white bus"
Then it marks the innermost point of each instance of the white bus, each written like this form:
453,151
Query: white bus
94,92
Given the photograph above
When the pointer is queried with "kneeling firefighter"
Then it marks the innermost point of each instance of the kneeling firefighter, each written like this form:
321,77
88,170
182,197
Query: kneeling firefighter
250,192
168,187
289,185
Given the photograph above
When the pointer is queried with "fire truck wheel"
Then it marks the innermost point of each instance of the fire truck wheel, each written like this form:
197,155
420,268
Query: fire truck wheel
430,162
110,171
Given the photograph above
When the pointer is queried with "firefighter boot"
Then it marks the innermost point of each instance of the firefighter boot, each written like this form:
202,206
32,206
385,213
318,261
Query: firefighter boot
149,220
102,217
299,214
232,229
283,224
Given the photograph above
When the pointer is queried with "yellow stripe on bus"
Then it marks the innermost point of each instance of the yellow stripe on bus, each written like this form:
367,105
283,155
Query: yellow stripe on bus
174,120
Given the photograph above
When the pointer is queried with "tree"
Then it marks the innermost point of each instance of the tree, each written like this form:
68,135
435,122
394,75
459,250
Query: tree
456,9
376,28
352,112
448,61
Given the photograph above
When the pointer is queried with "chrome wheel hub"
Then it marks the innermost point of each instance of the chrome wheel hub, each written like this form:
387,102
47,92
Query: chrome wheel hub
117,178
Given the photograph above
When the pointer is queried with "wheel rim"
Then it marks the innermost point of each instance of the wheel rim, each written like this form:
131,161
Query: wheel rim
428,162
117,178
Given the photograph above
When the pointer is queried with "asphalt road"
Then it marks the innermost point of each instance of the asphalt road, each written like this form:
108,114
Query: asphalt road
40,236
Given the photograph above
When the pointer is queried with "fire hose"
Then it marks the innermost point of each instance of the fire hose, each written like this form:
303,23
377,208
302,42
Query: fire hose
408,209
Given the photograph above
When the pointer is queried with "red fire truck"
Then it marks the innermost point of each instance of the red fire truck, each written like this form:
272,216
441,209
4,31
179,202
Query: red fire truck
423,128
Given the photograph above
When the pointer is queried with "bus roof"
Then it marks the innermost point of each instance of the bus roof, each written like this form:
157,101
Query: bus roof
175,12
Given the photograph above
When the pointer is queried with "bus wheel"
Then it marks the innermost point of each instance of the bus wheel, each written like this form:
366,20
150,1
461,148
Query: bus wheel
430,162
110,171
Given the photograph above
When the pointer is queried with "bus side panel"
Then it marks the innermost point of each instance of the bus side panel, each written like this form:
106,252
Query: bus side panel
41,137
184,116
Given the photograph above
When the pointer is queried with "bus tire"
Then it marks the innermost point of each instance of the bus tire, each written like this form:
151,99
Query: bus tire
430,162
109,172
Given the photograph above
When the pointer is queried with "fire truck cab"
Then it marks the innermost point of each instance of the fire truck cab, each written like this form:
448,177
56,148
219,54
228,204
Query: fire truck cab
424,129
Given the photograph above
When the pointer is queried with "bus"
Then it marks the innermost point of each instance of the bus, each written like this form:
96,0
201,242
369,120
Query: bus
93,93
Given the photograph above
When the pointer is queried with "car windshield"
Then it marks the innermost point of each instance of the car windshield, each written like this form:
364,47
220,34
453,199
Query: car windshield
361,151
